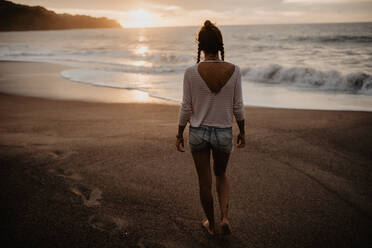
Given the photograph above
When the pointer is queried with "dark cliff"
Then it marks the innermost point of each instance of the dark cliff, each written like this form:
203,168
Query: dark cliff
17,17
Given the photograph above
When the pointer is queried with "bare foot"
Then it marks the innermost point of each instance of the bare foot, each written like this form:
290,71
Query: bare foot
207,227
225,227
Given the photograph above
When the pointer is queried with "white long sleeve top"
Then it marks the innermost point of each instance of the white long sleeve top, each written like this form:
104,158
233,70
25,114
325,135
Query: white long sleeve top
200,106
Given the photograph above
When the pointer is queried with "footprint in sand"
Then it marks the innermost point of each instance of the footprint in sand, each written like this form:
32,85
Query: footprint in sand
55,153
90,197
107,223
68,174
59,154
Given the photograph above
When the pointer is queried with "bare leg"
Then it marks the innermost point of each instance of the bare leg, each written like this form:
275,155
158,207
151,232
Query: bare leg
202,164
223,188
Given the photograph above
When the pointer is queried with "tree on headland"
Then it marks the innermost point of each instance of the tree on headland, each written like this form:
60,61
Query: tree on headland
18,17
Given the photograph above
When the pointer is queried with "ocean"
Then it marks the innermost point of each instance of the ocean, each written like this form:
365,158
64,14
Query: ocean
305,66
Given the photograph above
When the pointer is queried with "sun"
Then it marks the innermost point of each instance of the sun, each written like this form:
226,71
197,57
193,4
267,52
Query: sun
138,18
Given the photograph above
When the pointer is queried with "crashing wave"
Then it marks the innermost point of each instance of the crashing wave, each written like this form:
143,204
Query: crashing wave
358,83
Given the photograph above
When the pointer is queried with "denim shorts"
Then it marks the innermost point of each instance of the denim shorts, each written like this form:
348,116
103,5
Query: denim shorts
216,138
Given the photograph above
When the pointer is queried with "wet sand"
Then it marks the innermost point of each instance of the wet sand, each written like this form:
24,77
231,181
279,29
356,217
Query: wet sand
88,174
44,80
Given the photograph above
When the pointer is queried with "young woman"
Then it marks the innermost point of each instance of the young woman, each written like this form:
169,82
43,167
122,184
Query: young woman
212,95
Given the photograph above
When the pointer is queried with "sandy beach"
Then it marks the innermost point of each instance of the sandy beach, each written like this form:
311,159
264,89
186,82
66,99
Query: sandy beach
86,166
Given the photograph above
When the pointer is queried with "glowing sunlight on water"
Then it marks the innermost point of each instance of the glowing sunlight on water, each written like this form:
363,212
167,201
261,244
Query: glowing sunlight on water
141,50
141,63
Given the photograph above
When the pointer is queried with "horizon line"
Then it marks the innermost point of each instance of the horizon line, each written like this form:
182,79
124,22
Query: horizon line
251,24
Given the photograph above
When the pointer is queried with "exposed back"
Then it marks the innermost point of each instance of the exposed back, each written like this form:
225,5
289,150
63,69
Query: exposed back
216,74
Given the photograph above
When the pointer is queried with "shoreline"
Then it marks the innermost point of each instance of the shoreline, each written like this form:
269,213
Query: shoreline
86,91
91,174
27,78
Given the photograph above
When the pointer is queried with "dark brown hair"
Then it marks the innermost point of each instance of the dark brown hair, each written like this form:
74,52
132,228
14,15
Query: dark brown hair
210,40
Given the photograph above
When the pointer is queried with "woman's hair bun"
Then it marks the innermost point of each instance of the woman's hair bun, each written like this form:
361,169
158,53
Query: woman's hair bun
208,23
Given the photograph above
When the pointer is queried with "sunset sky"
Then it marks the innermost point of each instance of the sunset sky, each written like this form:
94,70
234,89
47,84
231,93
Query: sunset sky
147,13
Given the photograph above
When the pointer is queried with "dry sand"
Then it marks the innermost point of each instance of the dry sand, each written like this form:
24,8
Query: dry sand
85,174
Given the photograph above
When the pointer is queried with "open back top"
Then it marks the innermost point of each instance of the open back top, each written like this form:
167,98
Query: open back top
215,75
211,95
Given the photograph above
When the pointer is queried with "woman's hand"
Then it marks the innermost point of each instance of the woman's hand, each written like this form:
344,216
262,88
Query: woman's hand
241,140
180,144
